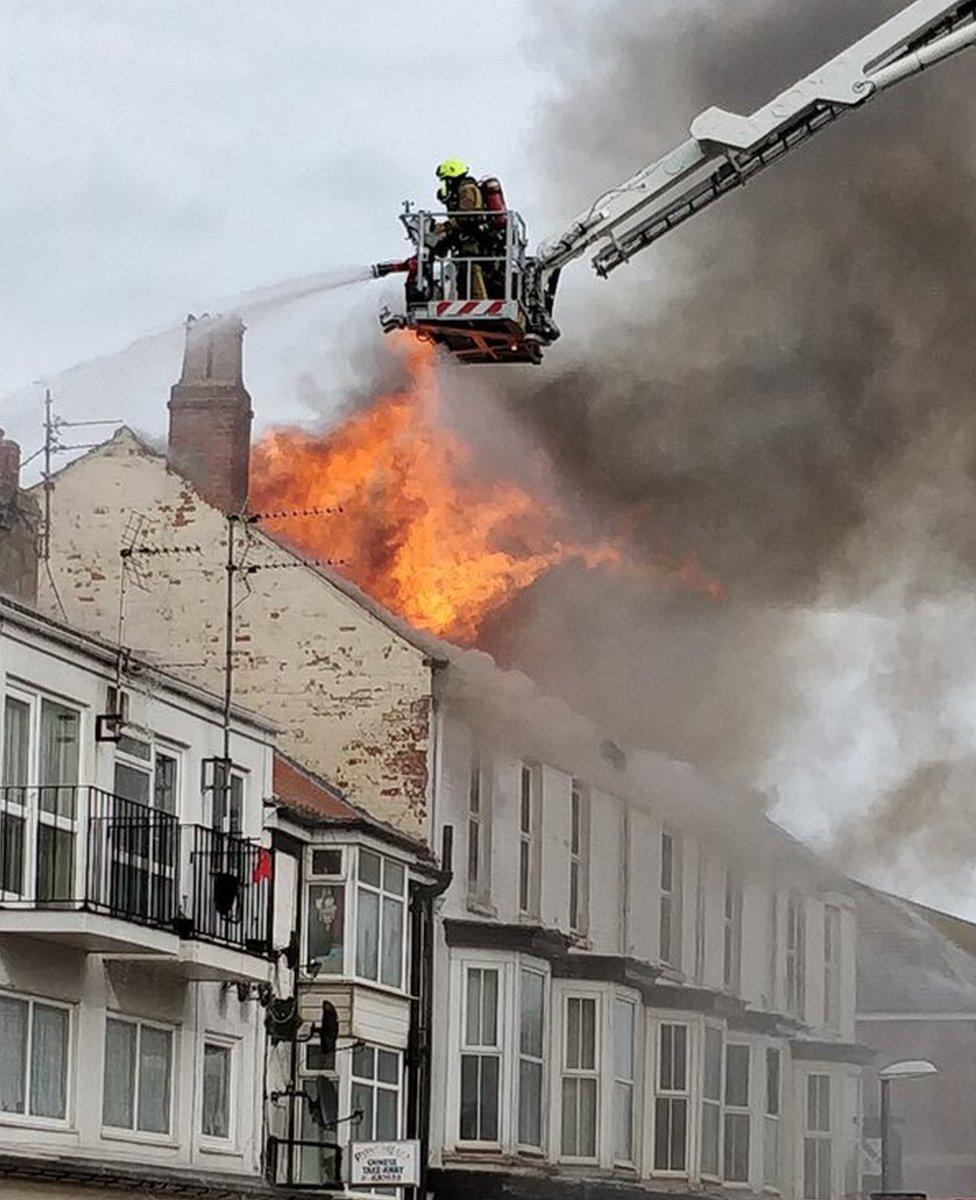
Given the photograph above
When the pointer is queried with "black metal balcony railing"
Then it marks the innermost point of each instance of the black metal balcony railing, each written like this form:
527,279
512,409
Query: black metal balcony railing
80,848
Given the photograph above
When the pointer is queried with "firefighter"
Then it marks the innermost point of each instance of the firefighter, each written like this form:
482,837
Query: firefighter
459,192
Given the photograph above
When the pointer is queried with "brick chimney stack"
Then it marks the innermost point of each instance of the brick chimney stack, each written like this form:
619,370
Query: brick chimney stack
19,522
210,412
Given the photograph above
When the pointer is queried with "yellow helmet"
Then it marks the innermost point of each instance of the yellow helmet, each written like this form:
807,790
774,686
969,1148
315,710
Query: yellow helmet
452,168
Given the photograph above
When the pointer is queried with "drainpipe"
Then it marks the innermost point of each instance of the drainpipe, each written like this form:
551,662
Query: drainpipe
422,898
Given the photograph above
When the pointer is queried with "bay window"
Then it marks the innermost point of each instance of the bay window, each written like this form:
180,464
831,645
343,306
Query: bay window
735,1118
380,914
481,1057
771,1125
580,1077
34,1057
138,1078
711,1137
817,1162
671,1102
532,1055
624,1078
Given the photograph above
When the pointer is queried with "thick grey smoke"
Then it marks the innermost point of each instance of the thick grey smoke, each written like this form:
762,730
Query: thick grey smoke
784,389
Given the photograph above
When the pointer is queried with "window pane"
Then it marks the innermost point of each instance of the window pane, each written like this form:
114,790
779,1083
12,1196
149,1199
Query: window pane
679,1134
364,1062
737,1076
55,863
474,832
155,1053
131,783
387,1124
164,786
489,1098
12,854
13,1051
530,1103
772,1081
369,868
391,970
623,1039
667,862
474,783
362,1102
736,1158
472,1033
59,754
710,1139
771,1152
469,1098
524,853
574,821
326,926
368,934
666,1058
587,1118
134,747
530,1034
588,1035
326,862
387,1066
662,1135
818,1103
216,1091
713,1064
394,876
489,1008
16,743
49,1062
119,1078
665,931
525,808
623,1112
573,1031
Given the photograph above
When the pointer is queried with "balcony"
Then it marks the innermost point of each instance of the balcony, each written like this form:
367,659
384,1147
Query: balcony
87,868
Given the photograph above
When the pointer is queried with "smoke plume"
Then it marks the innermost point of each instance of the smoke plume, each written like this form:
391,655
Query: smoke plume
782,388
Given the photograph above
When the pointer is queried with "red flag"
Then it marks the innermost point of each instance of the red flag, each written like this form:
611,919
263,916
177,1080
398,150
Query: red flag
262,868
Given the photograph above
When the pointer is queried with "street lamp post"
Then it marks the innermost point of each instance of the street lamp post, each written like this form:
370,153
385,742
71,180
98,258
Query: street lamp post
915,1069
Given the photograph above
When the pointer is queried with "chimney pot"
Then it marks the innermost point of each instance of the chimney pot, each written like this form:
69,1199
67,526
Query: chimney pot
210,412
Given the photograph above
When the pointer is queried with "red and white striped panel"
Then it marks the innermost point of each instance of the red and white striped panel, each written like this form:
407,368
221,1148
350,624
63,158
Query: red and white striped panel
468,308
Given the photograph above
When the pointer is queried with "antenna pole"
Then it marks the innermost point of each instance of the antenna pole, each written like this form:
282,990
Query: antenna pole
48,485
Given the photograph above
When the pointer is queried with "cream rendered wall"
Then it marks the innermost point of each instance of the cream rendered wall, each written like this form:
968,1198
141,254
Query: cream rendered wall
352,697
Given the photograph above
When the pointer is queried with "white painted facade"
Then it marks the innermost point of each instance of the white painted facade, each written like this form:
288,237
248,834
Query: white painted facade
125,1046
634,997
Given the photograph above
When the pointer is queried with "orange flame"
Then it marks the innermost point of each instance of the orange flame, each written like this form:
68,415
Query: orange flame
418,530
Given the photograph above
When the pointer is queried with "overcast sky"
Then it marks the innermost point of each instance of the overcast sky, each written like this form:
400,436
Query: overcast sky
161,154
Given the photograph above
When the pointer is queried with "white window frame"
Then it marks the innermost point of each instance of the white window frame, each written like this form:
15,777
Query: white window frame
730,1109
356,1133
209,1141
832,936
381,892
26,1118
480,1050
30,811
772,1171
818,1135
796,941
581,1072
134,1134
480,798
580,805
542,1061
333,880
713,1102
633,1082
147,767
530,838
670,899
672,1095
732,933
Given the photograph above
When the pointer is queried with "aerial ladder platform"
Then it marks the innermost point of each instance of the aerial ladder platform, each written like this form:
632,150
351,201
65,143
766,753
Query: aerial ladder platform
510,319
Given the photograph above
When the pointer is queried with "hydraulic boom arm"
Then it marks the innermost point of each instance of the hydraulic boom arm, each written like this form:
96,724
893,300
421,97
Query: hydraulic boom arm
725,149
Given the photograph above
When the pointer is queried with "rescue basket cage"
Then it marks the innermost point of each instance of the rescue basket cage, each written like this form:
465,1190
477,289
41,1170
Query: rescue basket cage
471,297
